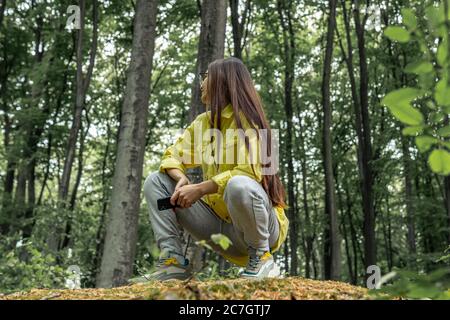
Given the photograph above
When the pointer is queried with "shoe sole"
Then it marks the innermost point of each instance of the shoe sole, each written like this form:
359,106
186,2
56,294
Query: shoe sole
176,276
263,275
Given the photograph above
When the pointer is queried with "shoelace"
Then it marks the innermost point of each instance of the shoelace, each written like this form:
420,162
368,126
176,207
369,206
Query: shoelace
253,262
166,262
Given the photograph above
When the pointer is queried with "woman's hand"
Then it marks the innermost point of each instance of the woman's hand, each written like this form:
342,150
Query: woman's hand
182,182
186,195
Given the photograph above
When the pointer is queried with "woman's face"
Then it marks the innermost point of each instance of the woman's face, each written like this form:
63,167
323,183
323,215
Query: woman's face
205,96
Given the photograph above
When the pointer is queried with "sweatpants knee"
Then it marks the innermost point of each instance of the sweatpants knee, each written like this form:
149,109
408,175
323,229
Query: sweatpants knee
150,182
239,187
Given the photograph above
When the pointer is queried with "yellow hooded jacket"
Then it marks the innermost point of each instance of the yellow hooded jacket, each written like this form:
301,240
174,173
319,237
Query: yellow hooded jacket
191,144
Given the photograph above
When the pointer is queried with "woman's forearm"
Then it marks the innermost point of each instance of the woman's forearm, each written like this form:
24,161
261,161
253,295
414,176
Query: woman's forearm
205,187
208,187
175,174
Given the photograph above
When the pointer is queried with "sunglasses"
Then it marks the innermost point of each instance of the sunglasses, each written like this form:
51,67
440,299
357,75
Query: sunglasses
203,75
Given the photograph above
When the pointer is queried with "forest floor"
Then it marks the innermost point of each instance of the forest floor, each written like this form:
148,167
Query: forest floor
292,288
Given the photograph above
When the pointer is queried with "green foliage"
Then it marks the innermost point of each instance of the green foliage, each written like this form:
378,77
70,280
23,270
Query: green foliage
397,34
439,161
211,272
446,257
222,240
411,285
408,284
24,266
432,69
400,106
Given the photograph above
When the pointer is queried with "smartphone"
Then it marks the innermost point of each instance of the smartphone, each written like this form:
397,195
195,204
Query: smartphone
164,204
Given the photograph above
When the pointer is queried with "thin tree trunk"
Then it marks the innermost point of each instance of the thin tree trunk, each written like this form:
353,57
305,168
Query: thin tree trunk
353,235
447,205
121,227
367,171
411,236
8,185
309,234
2,11
332,237
239,27
362,124
66,241
82,85
59,102
284,13
286,256
100,235
210,47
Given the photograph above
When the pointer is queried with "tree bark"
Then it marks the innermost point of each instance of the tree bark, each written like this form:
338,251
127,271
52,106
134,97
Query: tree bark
210,47
239,28
362,125
332,237
2,11
82,85
284,13
122,222
366,167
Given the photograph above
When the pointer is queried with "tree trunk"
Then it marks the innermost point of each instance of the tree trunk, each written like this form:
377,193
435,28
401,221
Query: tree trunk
284,13
332,238
66,240
366,167
308,229
411,236
2,11
121,227
8,185
210,47
447,205
362,125
239,27
82,85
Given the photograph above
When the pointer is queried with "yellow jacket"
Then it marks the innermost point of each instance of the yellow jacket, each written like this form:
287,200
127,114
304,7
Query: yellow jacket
190,145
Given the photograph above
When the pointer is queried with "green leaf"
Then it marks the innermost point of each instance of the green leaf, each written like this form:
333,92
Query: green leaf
442,53
401,96
412,130
409,18
398,102
396,33
430,104
427,81
444,132
419,67
222,240
435,17
407,114
439,161
442,93
204,244
424,143
437,117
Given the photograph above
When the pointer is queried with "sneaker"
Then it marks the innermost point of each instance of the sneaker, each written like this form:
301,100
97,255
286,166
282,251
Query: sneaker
168,267
259,266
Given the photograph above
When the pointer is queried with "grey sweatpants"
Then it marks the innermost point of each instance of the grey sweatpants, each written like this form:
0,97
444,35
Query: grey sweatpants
254,221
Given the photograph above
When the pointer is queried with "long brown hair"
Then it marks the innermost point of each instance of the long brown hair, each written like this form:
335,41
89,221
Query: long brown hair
229,81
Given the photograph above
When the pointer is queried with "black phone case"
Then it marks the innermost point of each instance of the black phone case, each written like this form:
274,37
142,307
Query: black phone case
164,204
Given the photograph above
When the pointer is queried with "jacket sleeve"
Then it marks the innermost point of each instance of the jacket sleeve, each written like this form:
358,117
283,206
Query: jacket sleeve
244,165
180,155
